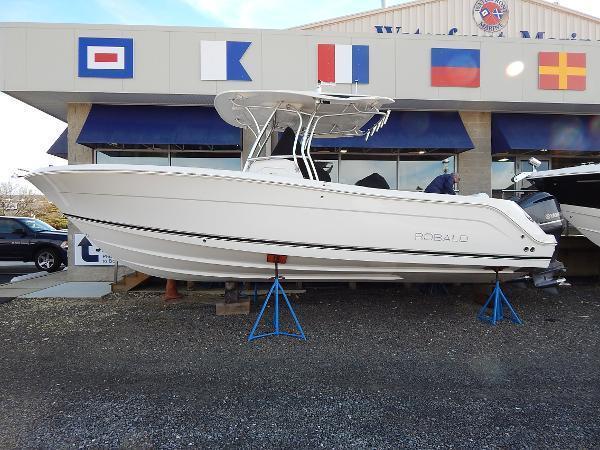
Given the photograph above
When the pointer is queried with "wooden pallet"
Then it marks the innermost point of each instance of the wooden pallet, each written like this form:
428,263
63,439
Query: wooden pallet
128,282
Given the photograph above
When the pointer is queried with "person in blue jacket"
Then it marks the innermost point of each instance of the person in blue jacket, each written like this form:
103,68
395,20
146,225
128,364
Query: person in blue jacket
443,184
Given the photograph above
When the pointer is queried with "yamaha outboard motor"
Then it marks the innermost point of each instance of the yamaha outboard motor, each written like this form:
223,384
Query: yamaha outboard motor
545,211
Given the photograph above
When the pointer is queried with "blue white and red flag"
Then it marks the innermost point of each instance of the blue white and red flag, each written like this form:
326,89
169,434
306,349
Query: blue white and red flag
455,67
105,57
343,63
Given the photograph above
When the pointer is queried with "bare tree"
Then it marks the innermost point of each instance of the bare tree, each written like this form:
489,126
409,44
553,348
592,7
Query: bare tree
16,200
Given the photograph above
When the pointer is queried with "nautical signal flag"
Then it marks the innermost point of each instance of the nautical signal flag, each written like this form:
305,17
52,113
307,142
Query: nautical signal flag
562,71
455,67
343,63
105,57
222,61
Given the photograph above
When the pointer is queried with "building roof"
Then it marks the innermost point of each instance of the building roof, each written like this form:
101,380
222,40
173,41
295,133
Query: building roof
552,6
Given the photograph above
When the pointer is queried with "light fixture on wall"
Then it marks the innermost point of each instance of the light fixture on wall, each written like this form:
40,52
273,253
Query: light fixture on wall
503,160
343,150
422,152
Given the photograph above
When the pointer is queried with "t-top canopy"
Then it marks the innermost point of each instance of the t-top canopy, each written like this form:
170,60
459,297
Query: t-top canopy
587,169
336,115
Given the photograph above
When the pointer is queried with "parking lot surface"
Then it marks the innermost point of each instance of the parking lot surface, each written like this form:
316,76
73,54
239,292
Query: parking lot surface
11,269
383,367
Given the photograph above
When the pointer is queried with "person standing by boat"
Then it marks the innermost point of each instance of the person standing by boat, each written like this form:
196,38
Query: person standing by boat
443,184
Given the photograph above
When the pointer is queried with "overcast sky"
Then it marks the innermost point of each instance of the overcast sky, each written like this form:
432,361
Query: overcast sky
26,133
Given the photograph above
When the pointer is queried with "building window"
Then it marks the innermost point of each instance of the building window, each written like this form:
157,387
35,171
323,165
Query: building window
354,168
416,174
503,171
153,158
524,166
330,164
224,161
211,159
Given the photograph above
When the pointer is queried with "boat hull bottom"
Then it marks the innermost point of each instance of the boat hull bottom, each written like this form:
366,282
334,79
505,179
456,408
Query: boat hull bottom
182,258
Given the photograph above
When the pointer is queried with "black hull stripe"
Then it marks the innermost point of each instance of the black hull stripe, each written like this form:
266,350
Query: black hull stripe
298,244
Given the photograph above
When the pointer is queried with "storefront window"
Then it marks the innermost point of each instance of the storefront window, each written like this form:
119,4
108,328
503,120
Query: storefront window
330,164
415,175
524,166
206,160
128,157
354,168
502,175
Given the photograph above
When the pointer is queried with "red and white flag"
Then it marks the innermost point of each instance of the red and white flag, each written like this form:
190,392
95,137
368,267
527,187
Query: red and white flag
99,57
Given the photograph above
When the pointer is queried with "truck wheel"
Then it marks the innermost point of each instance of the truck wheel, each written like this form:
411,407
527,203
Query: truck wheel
47,259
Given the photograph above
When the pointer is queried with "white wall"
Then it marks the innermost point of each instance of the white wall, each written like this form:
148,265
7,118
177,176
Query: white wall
43,59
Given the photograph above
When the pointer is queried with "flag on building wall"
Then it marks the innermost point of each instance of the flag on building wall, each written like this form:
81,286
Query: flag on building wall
343,63
105,57
455,67
222,60
562,71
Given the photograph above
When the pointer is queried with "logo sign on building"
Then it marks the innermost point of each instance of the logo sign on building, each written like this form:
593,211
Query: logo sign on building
105,57
455,67
562,71
222,61
491,15
87,254
343,63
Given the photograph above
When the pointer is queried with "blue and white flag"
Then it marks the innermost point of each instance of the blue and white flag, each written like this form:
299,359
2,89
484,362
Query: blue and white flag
221,60
105,57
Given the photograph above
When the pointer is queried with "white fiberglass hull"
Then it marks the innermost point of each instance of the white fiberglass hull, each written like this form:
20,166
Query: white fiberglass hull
195,224
586,220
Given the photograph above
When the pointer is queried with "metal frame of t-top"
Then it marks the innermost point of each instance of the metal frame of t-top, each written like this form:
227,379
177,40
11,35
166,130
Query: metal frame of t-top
308,131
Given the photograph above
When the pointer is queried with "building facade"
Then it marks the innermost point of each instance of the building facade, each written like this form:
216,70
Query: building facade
479,89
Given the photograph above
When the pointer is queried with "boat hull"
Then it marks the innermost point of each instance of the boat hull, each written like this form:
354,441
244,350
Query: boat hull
586,220
198,224
576,188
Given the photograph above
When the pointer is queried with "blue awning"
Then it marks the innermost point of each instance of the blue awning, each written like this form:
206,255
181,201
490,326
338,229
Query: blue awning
535,132
60,146
442,131
148,125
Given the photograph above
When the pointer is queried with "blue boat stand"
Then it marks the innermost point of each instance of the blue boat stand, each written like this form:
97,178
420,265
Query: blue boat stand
276,289
498,300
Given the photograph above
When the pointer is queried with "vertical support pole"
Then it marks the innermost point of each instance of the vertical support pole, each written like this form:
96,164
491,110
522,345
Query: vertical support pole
276,286
277,298
499,300
277,308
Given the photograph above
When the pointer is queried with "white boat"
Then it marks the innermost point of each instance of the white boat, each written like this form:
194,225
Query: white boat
578,191
198,224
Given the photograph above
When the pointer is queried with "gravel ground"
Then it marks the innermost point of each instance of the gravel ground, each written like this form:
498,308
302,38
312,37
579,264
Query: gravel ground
382,368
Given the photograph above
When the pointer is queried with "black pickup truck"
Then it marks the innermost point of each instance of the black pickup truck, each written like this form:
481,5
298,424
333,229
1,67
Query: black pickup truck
27,239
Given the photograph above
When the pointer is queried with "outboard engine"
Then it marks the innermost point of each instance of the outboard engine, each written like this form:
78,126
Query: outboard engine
545,211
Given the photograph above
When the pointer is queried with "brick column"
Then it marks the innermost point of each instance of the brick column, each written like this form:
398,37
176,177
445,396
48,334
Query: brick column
475,166
77,114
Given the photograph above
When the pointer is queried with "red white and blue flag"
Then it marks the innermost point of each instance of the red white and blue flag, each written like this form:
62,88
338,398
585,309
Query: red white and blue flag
105,57
455,67
222,60
343,63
